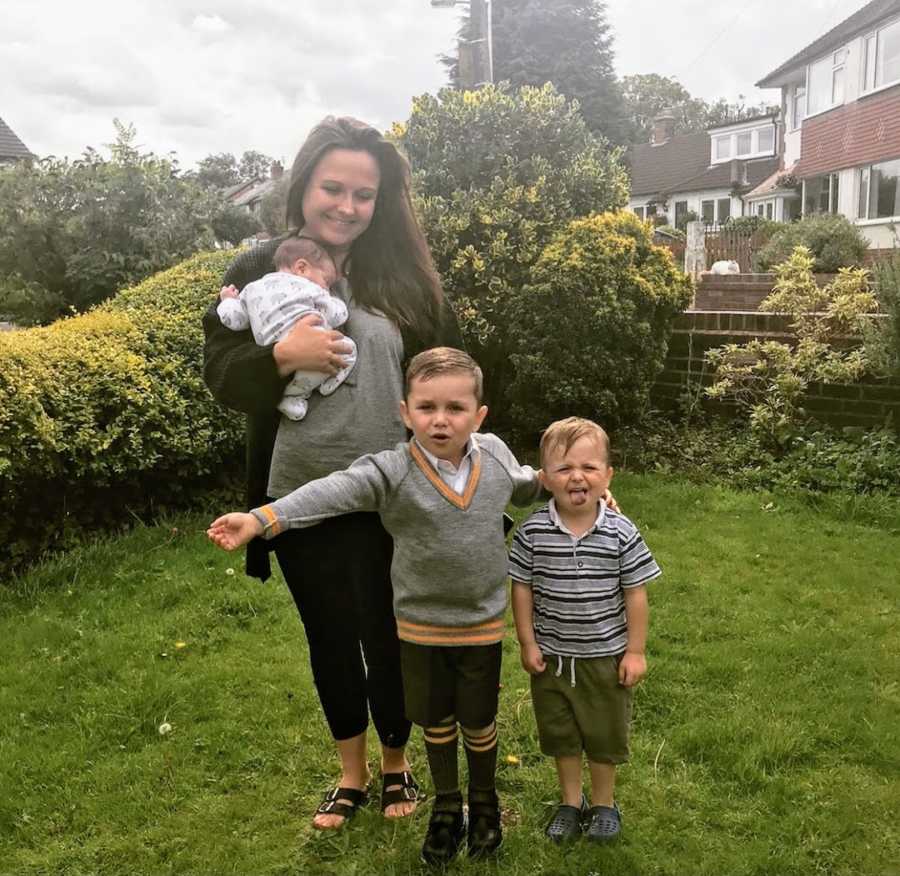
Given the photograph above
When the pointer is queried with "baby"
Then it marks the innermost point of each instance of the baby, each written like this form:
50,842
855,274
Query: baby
271,305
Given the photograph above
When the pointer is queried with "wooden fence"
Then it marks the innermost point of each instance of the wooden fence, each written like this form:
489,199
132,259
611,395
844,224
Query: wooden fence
728,244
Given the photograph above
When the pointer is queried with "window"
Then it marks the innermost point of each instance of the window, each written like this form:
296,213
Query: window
723,206
639,212
744,143
820,194
826,82
681,211
708,212
651,210
879,190
798,106
723,147
882,57
766,140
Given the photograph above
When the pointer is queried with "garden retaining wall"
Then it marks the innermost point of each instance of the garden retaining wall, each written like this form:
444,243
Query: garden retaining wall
872,403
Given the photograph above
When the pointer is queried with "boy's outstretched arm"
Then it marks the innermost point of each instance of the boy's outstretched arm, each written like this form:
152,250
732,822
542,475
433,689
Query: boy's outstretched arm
633,666
230,531
523,613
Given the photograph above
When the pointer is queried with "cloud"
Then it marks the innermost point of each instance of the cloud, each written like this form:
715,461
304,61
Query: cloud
213,24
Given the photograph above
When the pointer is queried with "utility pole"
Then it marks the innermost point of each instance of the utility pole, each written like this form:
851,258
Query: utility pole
476,56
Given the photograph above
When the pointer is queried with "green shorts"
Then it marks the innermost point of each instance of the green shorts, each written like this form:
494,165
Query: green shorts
444,680
591,717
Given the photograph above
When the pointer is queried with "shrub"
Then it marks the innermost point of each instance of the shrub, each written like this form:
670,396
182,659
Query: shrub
592,328
884,344
752,224
497,174
769,379
106,413
834,241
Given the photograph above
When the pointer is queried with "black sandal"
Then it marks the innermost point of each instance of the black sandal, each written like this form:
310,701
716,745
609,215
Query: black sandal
333,803
408,792
485,832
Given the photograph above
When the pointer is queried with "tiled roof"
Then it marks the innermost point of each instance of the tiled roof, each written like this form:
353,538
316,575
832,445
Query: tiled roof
10,145
662,168
860,21
682,165
257,189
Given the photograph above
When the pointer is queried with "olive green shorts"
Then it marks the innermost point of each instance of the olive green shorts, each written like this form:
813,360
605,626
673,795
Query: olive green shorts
591,717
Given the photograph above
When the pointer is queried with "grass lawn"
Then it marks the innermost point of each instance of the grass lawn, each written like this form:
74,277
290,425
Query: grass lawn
766,736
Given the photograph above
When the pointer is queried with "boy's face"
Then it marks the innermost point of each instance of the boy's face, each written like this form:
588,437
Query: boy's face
322,275
442,413
579,477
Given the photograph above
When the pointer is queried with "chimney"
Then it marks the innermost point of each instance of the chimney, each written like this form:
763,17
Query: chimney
276,171
663,127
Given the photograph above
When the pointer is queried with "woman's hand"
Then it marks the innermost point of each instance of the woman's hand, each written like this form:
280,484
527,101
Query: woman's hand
610,501
228,292
230,531
308,348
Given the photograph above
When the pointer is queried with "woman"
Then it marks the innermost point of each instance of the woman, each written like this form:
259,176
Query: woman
349,192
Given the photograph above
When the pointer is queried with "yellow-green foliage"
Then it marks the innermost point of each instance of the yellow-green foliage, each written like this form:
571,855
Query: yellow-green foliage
769,378
107,412
593,325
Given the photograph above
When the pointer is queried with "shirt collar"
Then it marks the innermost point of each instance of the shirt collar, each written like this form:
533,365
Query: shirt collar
557,521
445,464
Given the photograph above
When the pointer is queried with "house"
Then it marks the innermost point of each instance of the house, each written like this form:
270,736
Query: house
706,175
840,98
249,195
11,147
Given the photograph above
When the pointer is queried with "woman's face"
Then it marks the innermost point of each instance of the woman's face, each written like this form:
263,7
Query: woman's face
339,200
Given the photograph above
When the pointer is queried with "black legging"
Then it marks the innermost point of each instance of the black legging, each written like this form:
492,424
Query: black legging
339,575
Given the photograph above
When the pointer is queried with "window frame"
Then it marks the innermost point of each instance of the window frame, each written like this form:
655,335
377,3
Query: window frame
867,170
732,139
834,194
836,66
866,87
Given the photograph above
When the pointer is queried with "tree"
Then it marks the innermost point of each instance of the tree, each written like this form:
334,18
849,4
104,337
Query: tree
73,233
497,172
254,165
218,171
566,42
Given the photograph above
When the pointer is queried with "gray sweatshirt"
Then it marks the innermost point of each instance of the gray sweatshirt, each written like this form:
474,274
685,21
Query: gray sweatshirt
449,567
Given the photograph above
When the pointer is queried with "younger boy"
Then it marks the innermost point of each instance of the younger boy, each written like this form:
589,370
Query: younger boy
578,594
272,305
441,496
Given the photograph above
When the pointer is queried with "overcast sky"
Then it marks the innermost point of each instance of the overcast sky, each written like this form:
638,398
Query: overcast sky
228,75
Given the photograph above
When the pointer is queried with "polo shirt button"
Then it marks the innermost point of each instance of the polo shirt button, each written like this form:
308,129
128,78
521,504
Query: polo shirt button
580,564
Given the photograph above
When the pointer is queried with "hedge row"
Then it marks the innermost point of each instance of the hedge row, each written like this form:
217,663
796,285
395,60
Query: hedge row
104,416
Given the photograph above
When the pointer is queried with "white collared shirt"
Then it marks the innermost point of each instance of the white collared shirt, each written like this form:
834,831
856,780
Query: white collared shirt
557,520
454,477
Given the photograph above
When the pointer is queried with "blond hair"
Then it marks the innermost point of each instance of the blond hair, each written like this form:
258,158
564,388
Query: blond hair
564,433
444,360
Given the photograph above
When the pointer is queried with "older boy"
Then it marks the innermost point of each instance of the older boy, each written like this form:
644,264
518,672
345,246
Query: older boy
441,496
578,594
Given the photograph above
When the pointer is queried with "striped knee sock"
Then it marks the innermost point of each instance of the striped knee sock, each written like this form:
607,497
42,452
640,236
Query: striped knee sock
481,755
440,746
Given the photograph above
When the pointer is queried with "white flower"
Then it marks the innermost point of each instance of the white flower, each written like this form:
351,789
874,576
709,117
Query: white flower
229,571
165,728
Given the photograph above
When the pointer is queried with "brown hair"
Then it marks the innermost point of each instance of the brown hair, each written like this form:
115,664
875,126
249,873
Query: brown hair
300,248
389,263
564,433
444,360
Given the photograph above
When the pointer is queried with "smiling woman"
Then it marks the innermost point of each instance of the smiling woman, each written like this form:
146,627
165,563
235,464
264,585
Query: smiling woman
350,193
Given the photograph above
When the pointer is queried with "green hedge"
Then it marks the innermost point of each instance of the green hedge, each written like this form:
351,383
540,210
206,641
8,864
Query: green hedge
105,416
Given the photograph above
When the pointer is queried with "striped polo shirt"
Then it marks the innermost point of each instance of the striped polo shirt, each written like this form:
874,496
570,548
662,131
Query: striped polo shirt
577,583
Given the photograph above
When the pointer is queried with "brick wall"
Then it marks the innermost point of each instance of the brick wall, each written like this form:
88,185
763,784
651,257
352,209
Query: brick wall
696,332
739,291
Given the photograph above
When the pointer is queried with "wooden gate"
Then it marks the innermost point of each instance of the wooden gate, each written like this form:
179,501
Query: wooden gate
729,244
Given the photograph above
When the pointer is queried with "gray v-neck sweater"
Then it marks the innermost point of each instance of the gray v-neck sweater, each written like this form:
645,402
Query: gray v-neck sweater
449,568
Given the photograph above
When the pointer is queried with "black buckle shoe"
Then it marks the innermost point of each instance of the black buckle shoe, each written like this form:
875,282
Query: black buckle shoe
446,829
485,832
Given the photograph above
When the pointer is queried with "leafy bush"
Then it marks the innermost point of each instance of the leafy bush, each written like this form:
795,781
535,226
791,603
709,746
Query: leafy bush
73,233
497,174
848,461
884,344
769,379
592,328
107,412
752,224
834,241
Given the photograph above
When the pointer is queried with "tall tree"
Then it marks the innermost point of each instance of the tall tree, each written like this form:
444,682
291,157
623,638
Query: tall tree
647,94
566,42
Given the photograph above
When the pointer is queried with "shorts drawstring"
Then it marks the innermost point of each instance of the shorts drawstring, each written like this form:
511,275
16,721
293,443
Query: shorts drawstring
559,668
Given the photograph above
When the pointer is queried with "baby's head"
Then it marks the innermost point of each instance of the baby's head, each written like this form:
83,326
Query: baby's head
575,463
443,401
305,258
